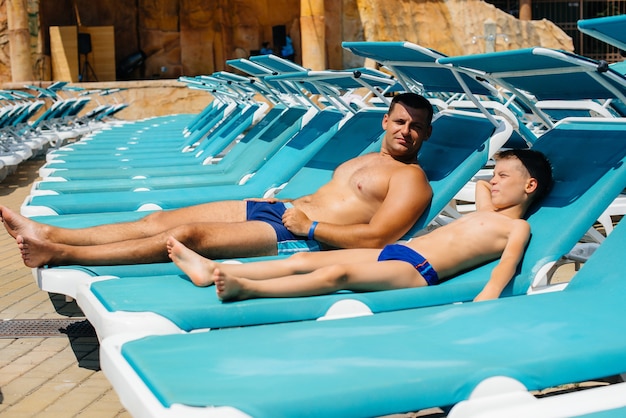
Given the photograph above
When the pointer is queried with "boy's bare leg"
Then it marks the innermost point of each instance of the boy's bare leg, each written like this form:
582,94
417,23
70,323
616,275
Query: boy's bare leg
152,224
214,240
200,269
367,277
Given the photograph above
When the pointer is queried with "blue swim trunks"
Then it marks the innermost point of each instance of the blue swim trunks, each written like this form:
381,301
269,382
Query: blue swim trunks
403,253
272,214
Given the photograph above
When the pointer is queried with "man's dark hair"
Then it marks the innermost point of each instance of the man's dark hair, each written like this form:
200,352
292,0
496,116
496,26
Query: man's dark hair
415,101
537,165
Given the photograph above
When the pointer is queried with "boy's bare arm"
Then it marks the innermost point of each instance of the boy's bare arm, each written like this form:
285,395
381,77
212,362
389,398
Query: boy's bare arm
505,269
482,196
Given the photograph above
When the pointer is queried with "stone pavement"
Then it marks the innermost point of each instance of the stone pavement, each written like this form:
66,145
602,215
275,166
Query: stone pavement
54,376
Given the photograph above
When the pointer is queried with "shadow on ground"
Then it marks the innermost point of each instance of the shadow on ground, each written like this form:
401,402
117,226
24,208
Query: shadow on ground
25,174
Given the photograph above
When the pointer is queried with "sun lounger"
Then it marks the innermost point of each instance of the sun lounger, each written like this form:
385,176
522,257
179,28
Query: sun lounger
172,133
572,207
137,135
216,141
242,159
546,74
446,163
271,140
389,363
318,145
142,141
607,29
448,159
513,400
173,194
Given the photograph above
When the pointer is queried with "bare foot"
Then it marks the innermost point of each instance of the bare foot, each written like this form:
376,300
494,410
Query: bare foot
198,268
35,253
228,287
16,224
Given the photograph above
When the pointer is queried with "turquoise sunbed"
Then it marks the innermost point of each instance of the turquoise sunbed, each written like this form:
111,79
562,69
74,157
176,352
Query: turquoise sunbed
174,194
418,69
139,135
272,139
244,158
317,146
611,30
142,140
572,207
547,74
389,363
449,161
172,133
215,142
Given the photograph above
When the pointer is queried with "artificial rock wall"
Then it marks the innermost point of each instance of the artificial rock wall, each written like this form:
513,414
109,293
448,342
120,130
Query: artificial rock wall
190,37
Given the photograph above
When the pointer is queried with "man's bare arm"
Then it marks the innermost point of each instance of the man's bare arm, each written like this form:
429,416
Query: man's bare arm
505,269
408,196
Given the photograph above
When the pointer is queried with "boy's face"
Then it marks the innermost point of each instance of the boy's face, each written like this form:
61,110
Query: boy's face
511,183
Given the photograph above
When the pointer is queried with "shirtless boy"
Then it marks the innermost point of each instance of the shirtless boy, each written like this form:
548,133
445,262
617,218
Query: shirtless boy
494,230
365,204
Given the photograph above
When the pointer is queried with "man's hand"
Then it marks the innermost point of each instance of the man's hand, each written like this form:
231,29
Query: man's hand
296,222
264,199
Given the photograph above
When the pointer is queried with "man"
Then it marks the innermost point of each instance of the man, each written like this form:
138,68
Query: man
495,229
371,200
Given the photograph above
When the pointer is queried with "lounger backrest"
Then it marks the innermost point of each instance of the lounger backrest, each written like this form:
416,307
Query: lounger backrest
461,144
609,29
416,63
589,162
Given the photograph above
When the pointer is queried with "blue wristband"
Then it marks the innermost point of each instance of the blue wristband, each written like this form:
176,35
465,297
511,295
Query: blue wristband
312,230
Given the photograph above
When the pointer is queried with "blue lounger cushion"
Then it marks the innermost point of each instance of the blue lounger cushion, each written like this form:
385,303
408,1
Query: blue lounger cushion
394,362
572,207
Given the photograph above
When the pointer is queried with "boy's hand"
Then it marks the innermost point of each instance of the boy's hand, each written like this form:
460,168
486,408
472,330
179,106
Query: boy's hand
485,295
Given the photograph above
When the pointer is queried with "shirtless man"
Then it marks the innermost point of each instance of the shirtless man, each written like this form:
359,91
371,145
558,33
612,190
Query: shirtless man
372,200
494,230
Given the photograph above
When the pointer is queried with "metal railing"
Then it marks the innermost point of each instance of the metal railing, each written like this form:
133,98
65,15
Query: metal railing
565,14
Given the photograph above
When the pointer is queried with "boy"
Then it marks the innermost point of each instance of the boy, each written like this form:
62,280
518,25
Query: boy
495,229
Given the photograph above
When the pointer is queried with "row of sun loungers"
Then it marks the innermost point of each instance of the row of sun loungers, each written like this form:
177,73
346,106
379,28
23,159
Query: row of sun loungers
170,348
32,123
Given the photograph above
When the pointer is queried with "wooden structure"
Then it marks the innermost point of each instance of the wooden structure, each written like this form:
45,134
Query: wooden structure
66,62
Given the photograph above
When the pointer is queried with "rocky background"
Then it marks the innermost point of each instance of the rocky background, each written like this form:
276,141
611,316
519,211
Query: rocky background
190,37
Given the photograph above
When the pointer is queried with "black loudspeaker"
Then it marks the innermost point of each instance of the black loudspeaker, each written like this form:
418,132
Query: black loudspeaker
279,36
84,43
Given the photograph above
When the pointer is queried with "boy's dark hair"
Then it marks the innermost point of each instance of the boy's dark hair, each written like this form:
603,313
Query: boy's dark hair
537,165
414,101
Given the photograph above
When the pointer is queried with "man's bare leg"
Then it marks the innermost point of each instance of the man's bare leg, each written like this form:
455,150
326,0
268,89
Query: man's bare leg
213,240
150,225
16,224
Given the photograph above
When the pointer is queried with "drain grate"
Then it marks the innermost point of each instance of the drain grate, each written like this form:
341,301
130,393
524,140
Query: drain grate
24,328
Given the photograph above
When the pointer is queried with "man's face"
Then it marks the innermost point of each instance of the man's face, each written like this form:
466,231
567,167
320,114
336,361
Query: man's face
405,131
